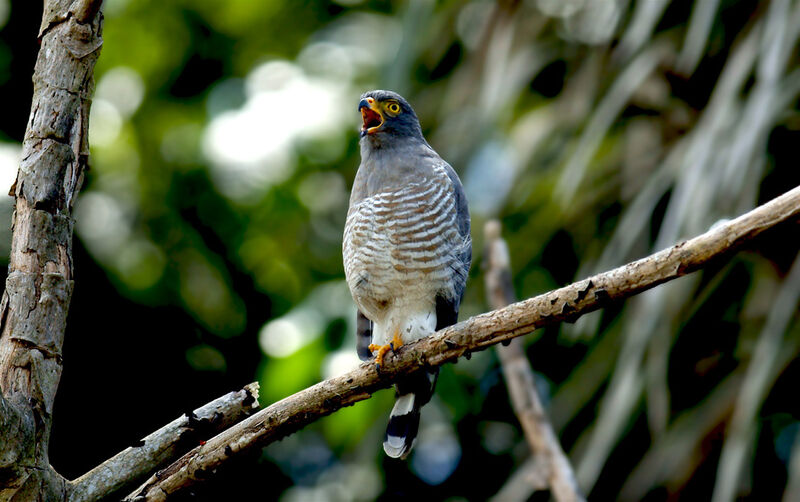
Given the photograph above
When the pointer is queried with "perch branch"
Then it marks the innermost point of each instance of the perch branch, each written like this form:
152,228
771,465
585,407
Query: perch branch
565,304
164,445
520,379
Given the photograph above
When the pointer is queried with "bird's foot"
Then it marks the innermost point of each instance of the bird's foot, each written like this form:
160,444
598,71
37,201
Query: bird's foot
382,350
395,344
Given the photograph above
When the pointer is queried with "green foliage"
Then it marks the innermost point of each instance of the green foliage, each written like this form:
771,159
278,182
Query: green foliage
287,375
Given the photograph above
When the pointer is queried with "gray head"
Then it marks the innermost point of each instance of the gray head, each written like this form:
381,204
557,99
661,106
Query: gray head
387,119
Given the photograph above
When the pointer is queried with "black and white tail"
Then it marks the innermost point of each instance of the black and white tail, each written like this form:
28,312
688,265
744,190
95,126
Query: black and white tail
413,392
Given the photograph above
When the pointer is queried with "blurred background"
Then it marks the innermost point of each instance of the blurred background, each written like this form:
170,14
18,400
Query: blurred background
208,235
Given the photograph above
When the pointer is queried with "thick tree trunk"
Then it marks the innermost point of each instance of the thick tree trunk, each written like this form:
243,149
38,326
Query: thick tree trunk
39,285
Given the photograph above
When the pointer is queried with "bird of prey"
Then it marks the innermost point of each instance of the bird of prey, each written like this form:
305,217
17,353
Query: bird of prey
406,249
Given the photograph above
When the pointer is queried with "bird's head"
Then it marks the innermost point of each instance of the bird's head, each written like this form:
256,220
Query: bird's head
386,115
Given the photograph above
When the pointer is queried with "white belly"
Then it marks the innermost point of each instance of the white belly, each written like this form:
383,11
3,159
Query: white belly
397,261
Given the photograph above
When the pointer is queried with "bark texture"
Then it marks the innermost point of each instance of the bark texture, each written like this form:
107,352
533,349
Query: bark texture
164,445
520,380
477,333
39,286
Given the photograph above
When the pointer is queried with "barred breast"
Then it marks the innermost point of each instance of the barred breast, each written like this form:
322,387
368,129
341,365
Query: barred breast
400,247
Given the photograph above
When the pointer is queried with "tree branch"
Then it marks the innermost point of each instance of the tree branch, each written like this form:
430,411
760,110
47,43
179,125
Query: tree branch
520,379
564,304
531,476
34,306
164,445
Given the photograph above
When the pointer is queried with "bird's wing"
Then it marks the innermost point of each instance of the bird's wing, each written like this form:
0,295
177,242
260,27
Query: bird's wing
363,336
447,305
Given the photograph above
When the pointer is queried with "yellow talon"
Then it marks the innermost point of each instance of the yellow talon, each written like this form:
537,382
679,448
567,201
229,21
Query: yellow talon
382,350
395,344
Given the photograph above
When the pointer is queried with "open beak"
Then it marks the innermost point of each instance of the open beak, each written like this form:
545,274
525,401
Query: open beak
370,115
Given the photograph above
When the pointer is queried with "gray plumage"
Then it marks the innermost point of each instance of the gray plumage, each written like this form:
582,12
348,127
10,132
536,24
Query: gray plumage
406,247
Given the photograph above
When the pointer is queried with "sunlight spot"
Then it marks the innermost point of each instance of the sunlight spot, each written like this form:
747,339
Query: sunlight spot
282,337
102,223
105,123
10,156
123,88
370,40
252,148
326,60
340,362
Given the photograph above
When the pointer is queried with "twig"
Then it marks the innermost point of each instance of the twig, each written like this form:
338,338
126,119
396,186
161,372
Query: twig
528,478
477,333
672,458
761,372
164,445
607,111
700,23
520,378
687,212
645,17
673,454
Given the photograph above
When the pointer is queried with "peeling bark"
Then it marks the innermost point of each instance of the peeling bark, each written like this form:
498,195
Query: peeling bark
34,306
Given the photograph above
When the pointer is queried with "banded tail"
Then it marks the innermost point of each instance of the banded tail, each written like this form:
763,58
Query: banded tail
413,393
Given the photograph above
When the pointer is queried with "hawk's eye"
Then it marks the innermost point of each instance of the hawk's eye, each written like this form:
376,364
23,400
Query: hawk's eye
393,107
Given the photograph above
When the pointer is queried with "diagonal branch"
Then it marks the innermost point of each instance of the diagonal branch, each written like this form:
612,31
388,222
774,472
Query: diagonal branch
520,378
477,333
164,445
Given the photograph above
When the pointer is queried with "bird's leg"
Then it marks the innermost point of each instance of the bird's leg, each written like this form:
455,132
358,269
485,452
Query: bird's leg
395,344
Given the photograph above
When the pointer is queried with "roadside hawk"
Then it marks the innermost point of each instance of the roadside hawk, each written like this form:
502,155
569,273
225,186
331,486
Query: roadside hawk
406,248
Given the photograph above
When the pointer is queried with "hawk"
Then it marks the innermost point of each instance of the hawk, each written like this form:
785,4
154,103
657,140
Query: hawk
406,249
